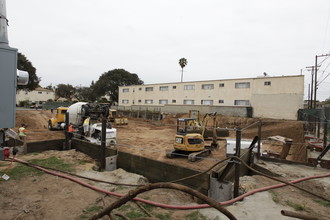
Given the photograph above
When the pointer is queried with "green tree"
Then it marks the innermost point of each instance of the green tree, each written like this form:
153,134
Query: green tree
182,62
50,87
24,64
65,91
109,82
85,94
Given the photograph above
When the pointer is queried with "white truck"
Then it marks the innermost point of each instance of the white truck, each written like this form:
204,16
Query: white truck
79,111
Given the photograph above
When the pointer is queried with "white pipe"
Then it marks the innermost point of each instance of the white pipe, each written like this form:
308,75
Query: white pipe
3,23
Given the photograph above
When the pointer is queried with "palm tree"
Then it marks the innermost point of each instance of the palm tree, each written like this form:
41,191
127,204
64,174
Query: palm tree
183,62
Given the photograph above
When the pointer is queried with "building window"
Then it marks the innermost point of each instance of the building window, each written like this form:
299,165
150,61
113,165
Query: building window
173,87
125,101
125,90
140,89
208,86
242,85
242,102
26,92
148,101
139,100
221,85
207,102
173,101
188,102
39,92
163,101
149,89
267,83
221,101
163,88
189,87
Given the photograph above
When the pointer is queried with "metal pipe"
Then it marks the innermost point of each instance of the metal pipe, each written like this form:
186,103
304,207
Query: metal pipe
237,165
259,140
250,125
3,23
66,131
298,215
103,142
315,82
325,133
318,127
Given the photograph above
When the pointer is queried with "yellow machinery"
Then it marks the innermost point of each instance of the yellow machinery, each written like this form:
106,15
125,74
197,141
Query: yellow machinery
187,143
116,119
192,134
58,121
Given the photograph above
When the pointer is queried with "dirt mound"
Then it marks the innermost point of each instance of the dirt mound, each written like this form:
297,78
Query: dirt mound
37,125
34,119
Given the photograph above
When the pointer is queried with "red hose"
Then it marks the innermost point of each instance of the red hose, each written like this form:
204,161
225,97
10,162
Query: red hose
176,206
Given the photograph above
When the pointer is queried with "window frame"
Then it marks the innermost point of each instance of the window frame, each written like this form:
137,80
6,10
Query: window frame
209,86
189,87
237,102
241,85
267,83
163,88
187,100
204,102
161,100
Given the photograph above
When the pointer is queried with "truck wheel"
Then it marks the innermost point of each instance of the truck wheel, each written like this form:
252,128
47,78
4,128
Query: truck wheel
50,127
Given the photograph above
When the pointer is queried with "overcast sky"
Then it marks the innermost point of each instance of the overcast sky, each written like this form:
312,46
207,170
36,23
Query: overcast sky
75,41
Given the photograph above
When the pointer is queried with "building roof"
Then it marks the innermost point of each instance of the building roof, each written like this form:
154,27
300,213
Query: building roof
40,89
216,80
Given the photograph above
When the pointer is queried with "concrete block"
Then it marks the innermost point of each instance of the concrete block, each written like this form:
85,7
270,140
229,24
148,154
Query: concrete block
220,191
111,163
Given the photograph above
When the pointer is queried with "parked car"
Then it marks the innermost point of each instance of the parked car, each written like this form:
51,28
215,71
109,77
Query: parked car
34,106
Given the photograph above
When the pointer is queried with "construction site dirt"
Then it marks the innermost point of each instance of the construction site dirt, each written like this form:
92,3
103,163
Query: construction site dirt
153,139
43,196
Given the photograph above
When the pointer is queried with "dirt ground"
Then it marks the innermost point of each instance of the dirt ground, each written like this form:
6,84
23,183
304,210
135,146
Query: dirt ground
37,197
50,197
154,139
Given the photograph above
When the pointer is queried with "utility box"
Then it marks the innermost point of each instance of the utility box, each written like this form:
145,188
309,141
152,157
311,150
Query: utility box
8,82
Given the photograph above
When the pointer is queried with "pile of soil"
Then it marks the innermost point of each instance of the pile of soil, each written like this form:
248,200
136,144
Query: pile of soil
36,122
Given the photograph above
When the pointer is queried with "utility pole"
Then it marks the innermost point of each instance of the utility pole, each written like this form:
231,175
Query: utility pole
315,83
310,101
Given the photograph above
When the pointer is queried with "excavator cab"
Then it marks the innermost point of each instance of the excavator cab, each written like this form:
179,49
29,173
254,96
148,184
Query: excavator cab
187,142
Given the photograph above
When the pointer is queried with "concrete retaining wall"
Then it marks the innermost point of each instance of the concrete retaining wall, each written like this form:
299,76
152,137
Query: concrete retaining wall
223,110
41,146
154,170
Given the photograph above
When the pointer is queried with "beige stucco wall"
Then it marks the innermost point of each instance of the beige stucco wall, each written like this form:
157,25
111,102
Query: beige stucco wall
38,95
266,100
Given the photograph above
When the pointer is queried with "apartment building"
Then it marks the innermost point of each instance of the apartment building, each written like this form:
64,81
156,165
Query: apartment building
35,96
270,97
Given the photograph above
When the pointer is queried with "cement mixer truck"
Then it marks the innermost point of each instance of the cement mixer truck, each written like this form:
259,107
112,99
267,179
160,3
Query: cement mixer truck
80,111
